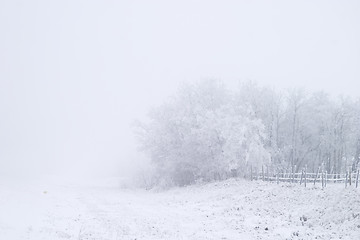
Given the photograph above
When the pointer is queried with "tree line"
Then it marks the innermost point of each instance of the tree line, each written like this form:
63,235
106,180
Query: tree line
206,131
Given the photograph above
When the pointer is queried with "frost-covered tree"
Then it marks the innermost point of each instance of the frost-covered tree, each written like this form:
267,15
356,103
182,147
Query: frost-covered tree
202,134
305,129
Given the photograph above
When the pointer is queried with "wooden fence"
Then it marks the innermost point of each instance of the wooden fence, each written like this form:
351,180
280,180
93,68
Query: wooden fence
349,178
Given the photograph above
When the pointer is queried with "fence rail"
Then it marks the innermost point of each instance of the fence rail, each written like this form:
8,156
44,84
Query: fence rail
303,177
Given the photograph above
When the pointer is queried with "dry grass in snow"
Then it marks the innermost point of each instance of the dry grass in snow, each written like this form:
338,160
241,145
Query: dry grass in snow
232,209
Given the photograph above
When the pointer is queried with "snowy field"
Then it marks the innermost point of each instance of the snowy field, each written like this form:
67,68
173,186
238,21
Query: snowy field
233,209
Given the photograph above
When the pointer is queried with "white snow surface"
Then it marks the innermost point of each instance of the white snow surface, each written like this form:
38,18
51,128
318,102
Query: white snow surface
232,209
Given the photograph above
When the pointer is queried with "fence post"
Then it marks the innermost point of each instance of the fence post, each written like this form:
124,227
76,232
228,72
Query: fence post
317,173
251,173
293,173
277,177
305,175
357,178
350,176
263,175
322,178
346,179
326,178
301,178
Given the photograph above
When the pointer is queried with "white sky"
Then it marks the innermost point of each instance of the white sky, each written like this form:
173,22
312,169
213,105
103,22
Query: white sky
74,74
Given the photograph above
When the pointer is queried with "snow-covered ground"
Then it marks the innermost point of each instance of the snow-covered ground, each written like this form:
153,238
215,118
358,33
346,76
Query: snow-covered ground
233,209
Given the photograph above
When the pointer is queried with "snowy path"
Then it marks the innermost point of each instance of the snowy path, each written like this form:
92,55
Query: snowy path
234,209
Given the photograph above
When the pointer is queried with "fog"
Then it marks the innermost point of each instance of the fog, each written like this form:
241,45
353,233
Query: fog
74,75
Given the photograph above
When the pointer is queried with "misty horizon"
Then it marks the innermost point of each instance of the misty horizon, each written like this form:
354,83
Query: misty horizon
75,74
